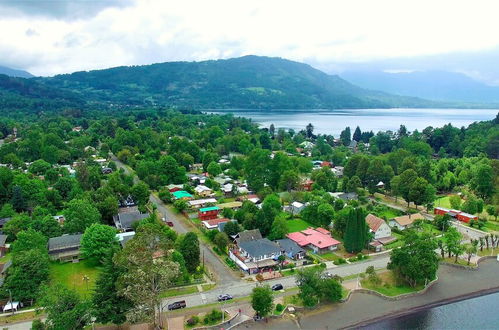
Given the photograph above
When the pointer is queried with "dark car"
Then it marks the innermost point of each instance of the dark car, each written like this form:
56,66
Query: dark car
169,223
277,287
177,305
224,297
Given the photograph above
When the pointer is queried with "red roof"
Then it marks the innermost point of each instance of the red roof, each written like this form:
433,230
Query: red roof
313,236
323,231
374,222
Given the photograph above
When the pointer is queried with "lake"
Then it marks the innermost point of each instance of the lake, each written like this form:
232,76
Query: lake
334,121
476,313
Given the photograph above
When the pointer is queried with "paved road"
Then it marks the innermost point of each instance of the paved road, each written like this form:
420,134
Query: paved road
244,288
223,275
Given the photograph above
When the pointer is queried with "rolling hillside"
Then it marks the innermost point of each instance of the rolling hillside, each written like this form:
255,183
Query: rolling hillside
249,82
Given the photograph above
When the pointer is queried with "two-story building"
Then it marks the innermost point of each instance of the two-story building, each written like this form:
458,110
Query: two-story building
208,213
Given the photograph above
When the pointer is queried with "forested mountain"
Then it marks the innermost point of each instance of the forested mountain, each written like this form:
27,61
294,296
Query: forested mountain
249,82
19,95
431,85
15,73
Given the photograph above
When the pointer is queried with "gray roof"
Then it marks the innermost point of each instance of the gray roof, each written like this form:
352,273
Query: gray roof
64,242
260,247
288,246
248,235
3,221
6,266
348,196
125,220
3,239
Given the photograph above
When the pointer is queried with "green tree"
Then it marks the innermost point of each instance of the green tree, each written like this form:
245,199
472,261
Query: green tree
325,214
421,192
97,241
416,261
140,193
407,178
28,271
395,187
232,228
452,241
331,290
279,228
289,180
189,248
262,300
221,240
493,211
214,169
353,184
28,240
455,202
356,231
79,215
148,272
39,167
64,308
180,205
483,181
17,224
107,305
18,201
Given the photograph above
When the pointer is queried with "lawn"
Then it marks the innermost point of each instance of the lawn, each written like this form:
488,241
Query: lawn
72,275
330,256
389,287
388,213
443,202
297,225
5,258
180,291
488,252
492,226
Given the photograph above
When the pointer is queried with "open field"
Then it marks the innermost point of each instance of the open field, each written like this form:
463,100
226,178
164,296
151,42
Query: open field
72,275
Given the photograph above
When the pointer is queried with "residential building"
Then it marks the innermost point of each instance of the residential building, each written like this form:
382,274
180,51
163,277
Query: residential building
405,221
175,187
124,220
203,191
182,195
125,237
208,213
378,227
65,247
345,196
318,240
457,214
466,217
201,202
3,221
214,223
294,208
290,249
338,171
307,185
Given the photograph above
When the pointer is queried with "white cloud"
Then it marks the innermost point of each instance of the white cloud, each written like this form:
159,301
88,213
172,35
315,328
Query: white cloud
313,31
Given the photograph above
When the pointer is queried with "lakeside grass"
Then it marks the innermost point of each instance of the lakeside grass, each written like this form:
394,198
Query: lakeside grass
72,275
460,261
295,225
488,252
389,286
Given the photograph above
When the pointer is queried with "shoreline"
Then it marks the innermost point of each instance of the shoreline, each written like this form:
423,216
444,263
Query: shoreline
362,309
405,312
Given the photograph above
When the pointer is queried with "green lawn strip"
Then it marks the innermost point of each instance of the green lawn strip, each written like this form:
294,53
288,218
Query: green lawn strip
180,291
330,256
297,225
5,258
344,292
488,252
18,317
208,287
201,322
460,261
72,275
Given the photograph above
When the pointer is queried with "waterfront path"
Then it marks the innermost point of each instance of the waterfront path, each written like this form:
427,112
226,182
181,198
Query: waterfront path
453,284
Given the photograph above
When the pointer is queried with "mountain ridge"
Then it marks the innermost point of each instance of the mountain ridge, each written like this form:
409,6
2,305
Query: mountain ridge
250,81
14,72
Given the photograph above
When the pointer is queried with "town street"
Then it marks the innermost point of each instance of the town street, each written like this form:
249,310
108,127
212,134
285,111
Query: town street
223,275
243,288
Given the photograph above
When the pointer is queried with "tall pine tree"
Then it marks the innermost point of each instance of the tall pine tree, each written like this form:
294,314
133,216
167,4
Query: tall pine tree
356,231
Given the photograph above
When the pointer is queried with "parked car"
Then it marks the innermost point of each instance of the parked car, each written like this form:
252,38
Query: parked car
277,287
326,275
224,297
177,305
169,223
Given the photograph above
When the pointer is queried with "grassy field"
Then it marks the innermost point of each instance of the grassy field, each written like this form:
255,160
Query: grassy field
388,213
18,317
389,287
72,275
488,252
330,256
297,225
443,202
5,258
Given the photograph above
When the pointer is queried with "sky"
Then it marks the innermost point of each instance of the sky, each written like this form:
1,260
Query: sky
48,37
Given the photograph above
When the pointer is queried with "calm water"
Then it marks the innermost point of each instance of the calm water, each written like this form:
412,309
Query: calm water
476,313
334,121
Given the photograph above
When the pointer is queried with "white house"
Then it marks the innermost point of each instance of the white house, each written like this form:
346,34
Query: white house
294,208
378,226
203,191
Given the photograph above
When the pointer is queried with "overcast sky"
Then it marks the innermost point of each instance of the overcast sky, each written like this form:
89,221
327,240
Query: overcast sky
51,37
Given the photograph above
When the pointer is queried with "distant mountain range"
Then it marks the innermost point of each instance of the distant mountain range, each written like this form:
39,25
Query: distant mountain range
249,82
15,73
431,85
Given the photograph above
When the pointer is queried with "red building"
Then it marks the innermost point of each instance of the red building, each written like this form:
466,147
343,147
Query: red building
465,217
440,210
307,185
208,213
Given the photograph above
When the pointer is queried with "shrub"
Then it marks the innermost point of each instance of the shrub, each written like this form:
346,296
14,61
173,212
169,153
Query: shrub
353,259
323,265
360,256
193,320
279,307
342,261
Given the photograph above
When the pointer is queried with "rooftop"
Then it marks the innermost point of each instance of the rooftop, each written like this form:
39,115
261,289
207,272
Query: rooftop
248,235
181,194
260,248
64,242
125,220
374,222
313,237
408,219
209,208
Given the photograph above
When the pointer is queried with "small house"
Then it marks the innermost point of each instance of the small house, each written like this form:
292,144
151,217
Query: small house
201,202
182,195
466,217
290,249
378,227
307,185
440,211
405,221
203,191
295,208
318,240
65,247
208,213
124,237
124,220
174,187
